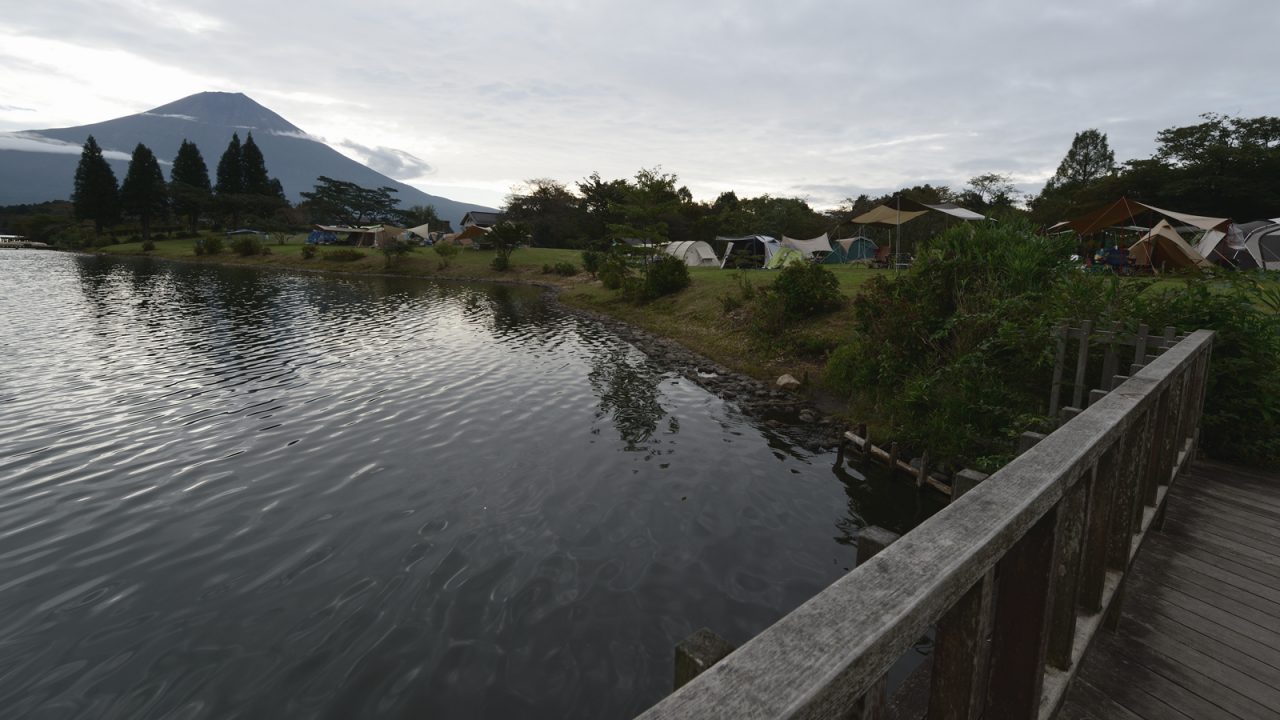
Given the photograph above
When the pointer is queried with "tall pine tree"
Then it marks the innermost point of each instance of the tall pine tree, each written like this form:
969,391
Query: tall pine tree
231,169
253,173
142,194
96,196
189,187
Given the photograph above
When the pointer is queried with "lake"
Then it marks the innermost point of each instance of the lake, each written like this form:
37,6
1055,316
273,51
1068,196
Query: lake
231,492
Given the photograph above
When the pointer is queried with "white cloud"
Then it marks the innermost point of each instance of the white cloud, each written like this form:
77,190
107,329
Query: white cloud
29,142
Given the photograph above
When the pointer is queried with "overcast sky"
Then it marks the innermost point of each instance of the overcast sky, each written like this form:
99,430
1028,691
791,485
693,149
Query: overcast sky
819,100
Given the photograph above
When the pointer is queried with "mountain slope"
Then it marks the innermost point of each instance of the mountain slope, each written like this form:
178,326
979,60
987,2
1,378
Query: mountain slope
207,119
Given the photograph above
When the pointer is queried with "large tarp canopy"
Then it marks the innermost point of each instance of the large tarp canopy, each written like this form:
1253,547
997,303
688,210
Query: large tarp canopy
422,231
906,210
817,247
1125,210
1163,247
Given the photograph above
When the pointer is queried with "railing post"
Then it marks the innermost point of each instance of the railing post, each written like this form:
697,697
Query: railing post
1074,508
1059,358
1093,569
1082,362
1020,633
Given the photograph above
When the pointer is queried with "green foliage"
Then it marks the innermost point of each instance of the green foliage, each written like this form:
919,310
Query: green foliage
566,269
143,193
1242,405
189,186
805,289
664,275
505,237
247,245
955,356
208,245
393,250
343,255
346,202
308,251
591,260
231,169
253,169
96,196
148,246
445,252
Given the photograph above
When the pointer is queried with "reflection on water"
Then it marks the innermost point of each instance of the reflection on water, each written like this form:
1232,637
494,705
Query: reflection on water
233,493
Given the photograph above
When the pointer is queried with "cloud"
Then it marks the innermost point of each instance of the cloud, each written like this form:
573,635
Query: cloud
31,142
176,116
391,162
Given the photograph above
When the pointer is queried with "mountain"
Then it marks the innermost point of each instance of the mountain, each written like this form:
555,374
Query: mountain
39,165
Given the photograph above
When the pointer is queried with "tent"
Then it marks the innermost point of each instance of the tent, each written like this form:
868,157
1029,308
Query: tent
1125,210
694,253
759,246
785,256
905,210
813,249
471,235
1164,248
1229,249
422,233
1263,240
850,250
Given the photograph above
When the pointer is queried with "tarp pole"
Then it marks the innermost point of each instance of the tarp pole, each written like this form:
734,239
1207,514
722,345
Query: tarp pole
897,253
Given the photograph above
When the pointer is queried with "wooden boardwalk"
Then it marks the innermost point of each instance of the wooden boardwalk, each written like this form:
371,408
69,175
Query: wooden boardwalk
1199,636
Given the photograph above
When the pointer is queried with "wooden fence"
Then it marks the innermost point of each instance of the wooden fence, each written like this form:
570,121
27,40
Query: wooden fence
1016,575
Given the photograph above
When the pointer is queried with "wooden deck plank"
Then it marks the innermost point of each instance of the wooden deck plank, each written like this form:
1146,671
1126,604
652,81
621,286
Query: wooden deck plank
1199,635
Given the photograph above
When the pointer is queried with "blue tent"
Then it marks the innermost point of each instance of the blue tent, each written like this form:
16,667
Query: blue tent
850,250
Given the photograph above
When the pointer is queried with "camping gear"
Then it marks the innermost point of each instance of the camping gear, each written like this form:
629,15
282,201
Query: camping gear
1164,249
851,249
694,253
758,247
1228,249
1262,240
784,257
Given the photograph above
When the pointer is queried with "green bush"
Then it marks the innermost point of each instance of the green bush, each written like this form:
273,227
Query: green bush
393,250
246,245
148,246
343,255
591,260
445,253
663,275
308,252
566,269
806,289
501,262
208,245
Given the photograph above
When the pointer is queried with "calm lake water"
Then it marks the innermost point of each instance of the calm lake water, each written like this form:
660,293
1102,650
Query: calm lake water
236,493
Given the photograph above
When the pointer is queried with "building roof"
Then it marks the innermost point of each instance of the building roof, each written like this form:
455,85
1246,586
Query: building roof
480,217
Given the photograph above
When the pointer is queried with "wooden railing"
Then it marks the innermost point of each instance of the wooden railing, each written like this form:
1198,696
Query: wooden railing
1016,575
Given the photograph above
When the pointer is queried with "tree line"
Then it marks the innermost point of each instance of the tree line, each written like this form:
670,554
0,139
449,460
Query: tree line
1222,166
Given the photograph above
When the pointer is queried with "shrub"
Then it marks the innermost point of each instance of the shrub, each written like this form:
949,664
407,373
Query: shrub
148,246
664,275
505,238
343,255
393,250
208,245
246,245
566,269
591,260
308,252
806,289
501,262
445,253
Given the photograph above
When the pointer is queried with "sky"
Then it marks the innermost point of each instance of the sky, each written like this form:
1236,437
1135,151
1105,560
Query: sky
816,100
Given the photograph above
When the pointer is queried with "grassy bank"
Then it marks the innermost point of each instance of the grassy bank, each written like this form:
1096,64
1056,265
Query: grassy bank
700,317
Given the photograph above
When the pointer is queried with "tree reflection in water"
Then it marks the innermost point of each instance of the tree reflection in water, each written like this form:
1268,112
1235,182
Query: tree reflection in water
628,391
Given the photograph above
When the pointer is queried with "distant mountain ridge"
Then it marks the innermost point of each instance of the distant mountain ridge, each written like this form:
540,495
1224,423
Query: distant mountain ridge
208,119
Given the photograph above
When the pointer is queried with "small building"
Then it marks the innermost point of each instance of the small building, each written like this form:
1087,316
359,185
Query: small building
480,218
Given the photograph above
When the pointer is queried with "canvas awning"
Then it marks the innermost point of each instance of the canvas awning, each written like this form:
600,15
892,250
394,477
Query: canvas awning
810,247
1125,210
906,210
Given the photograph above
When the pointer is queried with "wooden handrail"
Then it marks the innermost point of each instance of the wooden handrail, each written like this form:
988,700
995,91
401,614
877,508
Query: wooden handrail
986,571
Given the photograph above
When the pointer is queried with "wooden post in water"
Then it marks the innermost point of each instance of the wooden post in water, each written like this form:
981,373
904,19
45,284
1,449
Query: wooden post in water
697,653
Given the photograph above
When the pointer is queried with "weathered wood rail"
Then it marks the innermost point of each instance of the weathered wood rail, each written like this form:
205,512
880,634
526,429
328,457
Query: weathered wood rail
1017,574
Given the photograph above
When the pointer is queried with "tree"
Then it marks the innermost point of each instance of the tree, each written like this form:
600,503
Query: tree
419,215
551,211
505,238
142,194
346,202
231,169
96,196
989,190
1088,159
189,187
253,170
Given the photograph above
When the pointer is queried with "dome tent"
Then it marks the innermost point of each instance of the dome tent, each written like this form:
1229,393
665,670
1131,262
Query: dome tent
756,247
694,253
850,250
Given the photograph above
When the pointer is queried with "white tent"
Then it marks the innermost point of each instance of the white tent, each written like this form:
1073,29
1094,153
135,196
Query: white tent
1228,247
812,249
422,232
694,253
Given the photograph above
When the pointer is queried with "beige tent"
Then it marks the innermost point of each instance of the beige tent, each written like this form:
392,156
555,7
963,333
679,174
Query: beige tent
694,253
471,235
1164,249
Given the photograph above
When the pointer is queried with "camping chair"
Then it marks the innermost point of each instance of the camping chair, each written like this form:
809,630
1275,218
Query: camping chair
882,257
